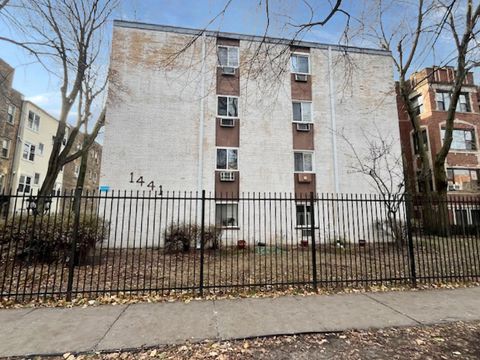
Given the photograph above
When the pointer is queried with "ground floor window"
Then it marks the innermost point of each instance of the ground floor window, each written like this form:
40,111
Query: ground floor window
463,179
304,218
226,215
24,184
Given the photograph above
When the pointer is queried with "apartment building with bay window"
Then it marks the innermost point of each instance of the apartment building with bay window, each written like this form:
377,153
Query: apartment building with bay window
212,116
431,98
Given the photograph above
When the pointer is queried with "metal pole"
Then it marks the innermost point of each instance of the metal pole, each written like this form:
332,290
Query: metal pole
312,230
409,212
76,225
202,242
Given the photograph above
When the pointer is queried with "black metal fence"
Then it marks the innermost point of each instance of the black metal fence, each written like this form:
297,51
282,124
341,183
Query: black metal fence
143,243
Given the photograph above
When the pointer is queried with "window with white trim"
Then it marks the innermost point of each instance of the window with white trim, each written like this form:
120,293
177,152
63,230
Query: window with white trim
33,122
417,104
227,106
29,152
302,111
303,161
36,179
424,135
228,56
300,63
11,114
5,148
462,139
226,215
227,159
24,184
443,101
304,212
41,148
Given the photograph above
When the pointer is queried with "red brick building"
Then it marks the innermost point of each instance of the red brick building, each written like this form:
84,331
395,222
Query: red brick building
432,98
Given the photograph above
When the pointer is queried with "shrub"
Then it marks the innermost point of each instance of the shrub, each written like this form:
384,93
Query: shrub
182,237
49,238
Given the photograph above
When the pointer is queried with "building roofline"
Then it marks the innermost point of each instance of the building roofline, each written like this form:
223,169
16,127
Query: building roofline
272,40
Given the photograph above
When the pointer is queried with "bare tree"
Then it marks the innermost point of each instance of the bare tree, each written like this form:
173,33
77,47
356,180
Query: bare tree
65,34
3,3
383,165
410,40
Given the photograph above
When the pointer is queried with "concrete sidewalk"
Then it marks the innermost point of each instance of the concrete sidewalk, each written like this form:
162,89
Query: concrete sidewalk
57,331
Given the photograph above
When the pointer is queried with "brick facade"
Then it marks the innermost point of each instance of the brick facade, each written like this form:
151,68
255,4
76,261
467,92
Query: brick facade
427,82
8,125
92,177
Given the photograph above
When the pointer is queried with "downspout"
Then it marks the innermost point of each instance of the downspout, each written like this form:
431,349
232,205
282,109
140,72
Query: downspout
202,121
333,122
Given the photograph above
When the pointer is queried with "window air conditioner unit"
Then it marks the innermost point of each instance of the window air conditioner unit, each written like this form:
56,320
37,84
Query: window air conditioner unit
228,70
303,127
227,122
301,77
227,176
454,187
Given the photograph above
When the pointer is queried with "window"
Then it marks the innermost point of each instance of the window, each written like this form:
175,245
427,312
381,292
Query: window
443,101
417,104
226,215
24,184
2,182
227,159
462,139
461,217
33,121
29,152
11,114
5,148
300,64
463,104
302,111
421,183
303,215
303,161
36,179
415,140
41,148
227,106
228,56
462,179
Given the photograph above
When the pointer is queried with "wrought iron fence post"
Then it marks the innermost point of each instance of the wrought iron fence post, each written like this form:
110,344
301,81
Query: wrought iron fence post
202,242
73,250
312,230
409,213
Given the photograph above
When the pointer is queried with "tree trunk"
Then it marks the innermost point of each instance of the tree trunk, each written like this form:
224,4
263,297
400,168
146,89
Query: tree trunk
81,175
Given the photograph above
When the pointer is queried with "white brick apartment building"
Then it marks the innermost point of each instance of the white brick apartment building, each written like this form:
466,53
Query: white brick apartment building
209,117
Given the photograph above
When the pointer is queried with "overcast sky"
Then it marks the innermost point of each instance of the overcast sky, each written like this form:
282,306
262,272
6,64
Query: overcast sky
242,16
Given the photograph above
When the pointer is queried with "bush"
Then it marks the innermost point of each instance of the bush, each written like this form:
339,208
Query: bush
182,237
48,239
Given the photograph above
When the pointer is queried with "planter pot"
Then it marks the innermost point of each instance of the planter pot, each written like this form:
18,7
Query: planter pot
304,243
241,244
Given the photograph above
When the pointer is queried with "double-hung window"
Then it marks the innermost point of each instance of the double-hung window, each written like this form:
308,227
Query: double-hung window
417,104
227,106
226,215
11,114
24,184
302,111
463,104
227,159
228,56
33,122
304,218
29,152
462,139
5,148
303,161
36,179
300,64
416,142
